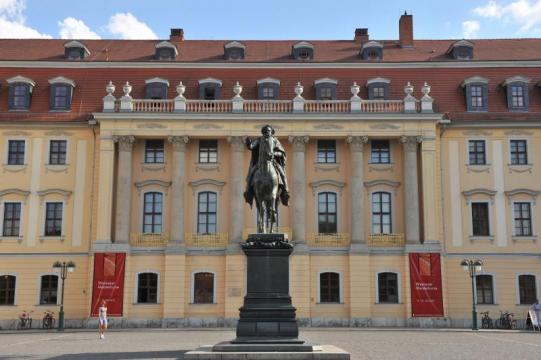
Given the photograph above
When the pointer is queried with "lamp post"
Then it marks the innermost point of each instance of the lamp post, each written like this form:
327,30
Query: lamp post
62,268
473,267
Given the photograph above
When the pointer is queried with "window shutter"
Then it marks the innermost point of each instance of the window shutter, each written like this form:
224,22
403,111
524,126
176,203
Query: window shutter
52,92
69,96
485,97
27,97
386,91
11,95
526,97
468,98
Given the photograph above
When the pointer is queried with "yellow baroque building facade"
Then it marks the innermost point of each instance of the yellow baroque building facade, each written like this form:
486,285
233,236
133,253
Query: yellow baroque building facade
400,165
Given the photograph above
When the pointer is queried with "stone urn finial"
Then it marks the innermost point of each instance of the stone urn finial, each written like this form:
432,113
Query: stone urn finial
237,89
181,88
110,88
408,89
355,89
425,89
299,89
127,88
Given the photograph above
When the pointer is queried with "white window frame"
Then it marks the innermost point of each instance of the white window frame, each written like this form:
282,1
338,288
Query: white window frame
517,287
487,151
136,287
6,150
58,290
338,194
44,219
15,297
494,288
142,210
532,219
192,287
528,149
49,150
21,224
398,284
393,212
490,223
340,285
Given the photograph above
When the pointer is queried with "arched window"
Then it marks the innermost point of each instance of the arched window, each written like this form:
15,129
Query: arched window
329,287
387,287
152,217
527,289
206,212
156,88
485,289
7,289
147,288
60,93
381,213
326,209
49,290
203,288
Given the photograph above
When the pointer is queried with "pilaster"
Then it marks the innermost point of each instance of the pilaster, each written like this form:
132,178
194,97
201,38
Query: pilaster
411,188
356,145
124,187
299,189
177,190
105,189
236,199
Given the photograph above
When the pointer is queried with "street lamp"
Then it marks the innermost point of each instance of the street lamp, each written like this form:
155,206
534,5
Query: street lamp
473,267
62,268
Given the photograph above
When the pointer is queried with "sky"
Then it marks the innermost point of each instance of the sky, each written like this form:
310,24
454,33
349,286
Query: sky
270,19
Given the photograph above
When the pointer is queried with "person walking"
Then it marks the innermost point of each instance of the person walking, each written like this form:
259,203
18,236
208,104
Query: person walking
536,309
102,321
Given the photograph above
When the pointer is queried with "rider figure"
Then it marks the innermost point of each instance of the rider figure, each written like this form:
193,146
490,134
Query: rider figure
278,161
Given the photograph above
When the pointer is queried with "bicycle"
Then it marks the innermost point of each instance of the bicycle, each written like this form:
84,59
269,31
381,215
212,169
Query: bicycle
25,320
486,321
506,321
48,320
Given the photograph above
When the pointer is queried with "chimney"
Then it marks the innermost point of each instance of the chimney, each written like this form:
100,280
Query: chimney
406,30
361,35
177,35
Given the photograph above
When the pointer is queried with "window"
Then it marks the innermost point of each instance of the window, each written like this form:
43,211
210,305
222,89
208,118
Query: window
477,96
517,96
7,290
476,92
327,213
485,289
16,152
75,53
203,288
477,152
57,152
206,213
147,288
325,93
19,96
527,289
152,217
378,88
53,219
208,151
60,97
378,93
165,51
156,91
234,50
267,88
461,50
381,152
523,218
519,152
372,50
12,219
326,89
268,92
480,220
49,290
209,89
74,50
329,287
326,151
154,152
381,213
387,287
303,51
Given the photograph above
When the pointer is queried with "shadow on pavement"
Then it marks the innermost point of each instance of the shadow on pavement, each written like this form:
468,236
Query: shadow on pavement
176,354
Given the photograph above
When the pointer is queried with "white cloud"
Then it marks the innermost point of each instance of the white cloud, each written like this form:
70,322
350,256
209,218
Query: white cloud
526,13
470,29
12,21
126,26
71,28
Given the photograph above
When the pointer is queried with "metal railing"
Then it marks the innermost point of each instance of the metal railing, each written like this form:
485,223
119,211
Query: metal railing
386,240
328,240
218,240
149,240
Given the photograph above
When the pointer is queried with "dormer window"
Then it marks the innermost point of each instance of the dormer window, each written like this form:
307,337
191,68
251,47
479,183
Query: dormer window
372,50
20,92
74,50
461,50
156,88
267,89
303,51
378,89
209,89
325,89
517,93
476,93
234,50
165,51
60,93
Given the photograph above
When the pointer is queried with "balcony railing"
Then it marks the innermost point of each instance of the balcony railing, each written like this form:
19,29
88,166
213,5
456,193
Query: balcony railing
386,240
328,240
218,240
253,230
149,240
237,104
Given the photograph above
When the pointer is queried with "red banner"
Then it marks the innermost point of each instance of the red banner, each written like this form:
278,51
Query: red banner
425,281
108,283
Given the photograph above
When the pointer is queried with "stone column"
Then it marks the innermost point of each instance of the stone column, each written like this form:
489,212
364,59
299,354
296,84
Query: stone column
356,145
299,188
105,189
411,188
123,188
237,188
177,190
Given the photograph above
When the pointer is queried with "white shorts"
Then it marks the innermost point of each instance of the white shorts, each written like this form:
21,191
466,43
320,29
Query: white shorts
102,322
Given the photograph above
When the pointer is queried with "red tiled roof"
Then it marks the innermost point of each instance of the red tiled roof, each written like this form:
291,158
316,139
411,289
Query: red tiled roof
267,51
